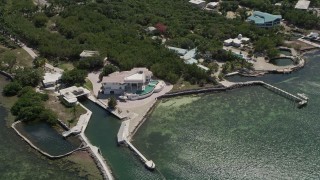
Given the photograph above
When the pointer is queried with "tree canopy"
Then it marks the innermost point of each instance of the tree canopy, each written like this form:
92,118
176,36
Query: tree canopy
116,29
74,77
30,107
28,76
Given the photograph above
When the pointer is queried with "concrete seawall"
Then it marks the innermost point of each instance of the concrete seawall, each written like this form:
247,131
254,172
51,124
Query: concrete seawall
93,150
38,149
10,76
105,106
144,118
231,86
63,125
193,91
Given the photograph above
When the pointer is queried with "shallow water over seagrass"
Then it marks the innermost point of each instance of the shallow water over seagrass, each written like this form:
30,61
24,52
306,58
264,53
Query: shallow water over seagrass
247,133
19,161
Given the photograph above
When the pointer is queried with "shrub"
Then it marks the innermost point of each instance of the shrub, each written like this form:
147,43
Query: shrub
112,103
11,89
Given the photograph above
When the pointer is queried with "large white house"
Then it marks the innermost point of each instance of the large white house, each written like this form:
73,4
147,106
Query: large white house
126,81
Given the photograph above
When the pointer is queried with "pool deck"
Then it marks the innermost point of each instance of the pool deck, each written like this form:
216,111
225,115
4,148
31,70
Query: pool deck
140,108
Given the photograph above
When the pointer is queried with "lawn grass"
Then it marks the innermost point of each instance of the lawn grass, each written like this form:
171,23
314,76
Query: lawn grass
88,85
65,65
183,85
23,58
69,115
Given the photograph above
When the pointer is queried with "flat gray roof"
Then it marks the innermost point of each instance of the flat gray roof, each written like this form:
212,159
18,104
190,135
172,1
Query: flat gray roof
302,4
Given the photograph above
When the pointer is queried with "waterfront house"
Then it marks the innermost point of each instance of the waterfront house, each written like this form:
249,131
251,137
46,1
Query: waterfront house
133,85
119,82
264,20
198,3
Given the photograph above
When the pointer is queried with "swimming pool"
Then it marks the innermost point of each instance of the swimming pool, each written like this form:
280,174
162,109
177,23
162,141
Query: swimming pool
148,88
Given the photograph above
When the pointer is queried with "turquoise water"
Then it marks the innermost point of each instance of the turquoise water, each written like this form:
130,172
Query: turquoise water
148,88
247,133
102,132
47,139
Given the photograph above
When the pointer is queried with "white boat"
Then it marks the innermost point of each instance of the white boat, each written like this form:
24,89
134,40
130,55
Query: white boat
123,97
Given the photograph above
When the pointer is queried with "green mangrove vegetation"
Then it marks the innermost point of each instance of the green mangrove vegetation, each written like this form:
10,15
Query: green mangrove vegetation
117,30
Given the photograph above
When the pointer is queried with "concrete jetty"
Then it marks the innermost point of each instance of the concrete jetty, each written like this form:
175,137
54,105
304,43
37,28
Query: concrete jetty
77,129
148,163
123,134
93,150
309,42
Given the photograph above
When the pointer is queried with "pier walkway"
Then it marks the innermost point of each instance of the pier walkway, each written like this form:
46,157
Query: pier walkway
309,42
123,134
301,101
148,163
81,125
95,152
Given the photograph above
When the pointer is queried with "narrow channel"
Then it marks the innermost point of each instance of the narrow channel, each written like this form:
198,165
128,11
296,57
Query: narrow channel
102,132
